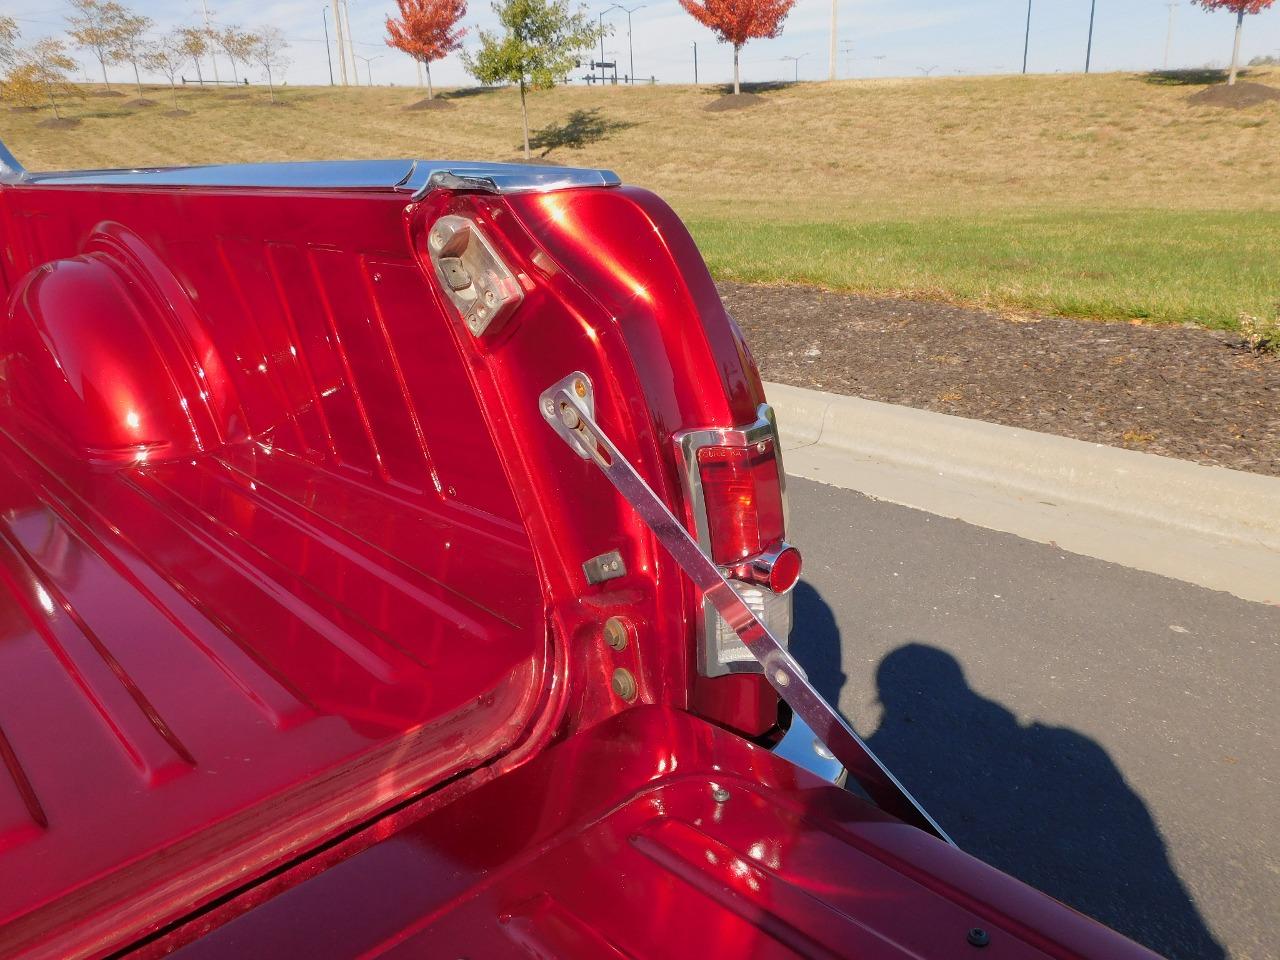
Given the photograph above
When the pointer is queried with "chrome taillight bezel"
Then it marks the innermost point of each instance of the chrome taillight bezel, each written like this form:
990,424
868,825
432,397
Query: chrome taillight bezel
713,662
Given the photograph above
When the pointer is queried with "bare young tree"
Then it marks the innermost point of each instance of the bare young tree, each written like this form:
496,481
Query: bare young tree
131,44
8,41
167,56
40,73
95,26
237,44
269,46
195,44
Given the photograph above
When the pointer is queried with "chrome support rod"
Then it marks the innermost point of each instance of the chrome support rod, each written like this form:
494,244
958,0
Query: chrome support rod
568,407
11,171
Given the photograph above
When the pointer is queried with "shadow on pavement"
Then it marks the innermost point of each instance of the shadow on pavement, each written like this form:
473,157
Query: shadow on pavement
1045,804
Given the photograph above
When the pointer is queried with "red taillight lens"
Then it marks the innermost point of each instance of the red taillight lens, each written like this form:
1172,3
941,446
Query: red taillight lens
785,570
743,499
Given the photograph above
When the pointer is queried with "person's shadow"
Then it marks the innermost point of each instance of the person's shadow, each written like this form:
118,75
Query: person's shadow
1045,804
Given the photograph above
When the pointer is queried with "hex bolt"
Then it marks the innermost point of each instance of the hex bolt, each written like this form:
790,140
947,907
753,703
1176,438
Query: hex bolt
719,794
616,633
624,684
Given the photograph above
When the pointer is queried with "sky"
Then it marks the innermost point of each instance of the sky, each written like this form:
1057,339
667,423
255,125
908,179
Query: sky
877,38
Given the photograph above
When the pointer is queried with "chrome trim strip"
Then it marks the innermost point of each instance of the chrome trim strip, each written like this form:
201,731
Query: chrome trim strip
416,177
567,413
11,171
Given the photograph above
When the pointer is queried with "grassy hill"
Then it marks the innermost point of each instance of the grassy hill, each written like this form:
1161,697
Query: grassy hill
1110,196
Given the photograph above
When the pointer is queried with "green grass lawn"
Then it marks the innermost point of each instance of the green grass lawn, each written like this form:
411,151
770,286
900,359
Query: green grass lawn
1205,267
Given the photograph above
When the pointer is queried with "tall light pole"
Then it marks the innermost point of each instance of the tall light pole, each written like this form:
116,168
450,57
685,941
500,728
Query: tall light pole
1168,37
342,50
695,63
797,62
351,44
1088,50
368,66
831,72
1026,40
328,56
630,50
602,13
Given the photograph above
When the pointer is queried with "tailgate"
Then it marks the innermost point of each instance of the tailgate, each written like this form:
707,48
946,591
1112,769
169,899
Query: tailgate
659,835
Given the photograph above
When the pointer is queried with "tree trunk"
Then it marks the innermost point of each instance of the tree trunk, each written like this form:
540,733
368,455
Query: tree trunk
271,87
1235,53
199,75
137,79
173,89
737,85
53,103
419,65
430,89
234,78
103,62
524,118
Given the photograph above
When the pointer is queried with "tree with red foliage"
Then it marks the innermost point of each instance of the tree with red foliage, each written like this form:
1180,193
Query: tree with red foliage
737,21
427,30
1240,8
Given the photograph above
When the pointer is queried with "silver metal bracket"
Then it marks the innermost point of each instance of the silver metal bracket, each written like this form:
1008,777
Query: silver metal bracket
566,408
471,273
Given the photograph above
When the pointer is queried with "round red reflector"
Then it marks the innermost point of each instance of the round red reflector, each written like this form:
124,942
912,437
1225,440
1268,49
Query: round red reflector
785,570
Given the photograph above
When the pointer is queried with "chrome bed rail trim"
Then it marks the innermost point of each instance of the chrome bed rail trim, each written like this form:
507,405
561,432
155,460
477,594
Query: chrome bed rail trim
415,177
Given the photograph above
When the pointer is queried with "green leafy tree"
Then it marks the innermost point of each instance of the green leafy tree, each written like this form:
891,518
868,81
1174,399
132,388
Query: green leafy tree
8,41
96,26
131,43
167,56
536,46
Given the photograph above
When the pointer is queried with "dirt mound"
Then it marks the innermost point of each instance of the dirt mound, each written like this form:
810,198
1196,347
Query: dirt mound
59,123
139,102
106,93
734,101
23,109
435,103
176,113
1235,97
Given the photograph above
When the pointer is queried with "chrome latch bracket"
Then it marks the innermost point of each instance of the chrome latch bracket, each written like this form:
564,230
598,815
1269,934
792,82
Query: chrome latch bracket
568,406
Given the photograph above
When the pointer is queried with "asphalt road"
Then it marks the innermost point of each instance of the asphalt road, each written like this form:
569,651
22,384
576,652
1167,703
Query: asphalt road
1107,735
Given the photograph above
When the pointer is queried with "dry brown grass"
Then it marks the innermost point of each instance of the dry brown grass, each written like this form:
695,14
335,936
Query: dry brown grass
1098,196
827,151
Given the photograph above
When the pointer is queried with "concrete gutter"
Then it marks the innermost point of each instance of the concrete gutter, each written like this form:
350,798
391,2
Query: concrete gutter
1207,525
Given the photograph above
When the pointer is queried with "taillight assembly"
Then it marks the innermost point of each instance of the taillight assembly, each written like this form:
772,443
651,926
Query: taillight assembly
742,491
736,499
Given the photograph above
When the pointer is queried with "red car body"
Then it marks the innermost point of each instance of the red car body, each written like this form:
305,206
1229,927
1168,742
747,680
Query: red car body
299,653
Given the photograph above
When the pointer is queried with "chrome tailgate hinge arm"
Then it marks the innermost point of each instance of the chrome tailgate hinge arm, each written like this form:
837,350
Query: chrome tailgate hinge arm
569,408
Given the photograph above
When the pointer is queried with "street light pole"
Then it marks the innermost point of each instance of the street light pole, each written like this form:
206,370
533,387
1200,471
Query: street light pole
602,13
1088,52
695,63
1168,37
831,72
1026,40
328,56
797,62
368,66
631,53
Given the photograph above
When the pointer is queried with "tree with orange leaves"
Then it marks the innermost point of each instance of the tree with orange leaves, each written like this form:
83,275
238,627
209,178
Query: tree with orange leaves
737,21
1240,8
427,30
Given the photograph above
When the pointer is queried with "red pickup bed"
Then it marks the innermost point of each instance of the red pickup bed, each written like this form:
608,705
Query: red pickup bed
299,656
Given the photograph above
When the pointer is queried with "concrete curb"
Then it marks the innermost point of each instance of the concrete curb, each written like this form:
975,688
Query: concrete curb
897,450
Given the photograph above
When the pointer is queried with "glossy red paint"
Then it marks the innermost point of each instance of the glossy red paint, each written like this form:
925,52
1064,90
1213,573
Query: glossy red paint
284,544
617,843
295,616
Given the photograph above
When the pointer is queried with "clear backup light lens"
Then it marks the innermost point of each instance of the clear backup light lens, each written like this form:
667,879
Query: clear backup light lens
773,609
